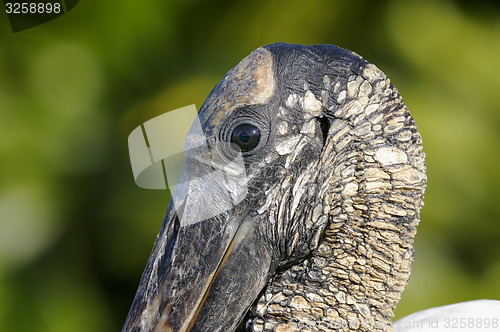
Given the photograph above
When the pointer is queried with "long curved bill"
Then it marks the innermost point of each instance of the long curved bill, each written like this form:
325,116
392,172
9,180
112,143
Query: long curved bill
211,258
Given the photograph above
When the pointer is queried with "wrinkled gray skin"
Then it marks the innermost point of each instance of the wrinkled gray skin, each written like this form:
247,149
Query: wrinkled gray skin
323,238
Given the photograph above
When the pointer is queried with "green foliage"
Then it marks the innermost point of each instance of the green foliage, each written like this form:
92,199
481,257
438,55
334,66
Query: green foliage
75,232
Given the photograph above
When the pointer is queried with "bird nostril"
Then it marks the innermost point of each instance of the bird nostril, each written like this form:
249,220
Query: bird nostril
324,124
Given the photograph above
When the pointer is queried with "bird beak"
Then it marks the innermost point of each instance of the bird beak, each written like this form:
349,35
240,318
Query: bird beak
212,256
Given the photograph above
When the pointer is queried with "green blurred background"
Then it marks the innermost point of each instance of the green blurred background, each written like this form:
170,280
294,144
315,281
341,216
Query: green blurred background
75,231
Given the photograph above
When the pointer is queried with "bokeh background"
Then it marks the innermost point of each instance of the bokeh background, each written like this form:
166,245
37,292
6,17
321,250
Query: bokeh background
75,231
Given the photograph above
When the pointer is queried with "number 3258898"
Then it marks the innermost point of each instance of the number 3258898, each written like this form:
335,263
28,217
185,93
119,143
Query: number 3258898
32,8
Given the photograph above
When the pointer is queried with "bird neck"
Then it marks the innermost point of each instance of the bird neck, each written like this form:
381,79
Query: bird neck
353,281
354,278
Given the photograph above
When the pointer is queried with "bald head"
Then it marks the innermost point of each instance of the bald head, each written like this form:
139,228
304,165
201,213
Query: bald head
330,174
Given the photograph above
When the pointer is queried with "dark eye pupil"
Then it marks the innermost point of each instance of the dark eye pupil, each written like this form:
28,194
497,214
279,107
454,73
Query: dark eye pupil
246,136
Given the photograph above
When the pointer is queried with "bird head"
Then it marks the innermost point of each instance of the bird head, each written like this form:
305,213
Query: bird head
298,199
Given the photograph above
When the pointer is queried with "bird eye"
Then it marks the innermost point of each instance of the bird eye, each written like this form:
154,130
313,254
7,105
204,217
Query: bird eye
246,136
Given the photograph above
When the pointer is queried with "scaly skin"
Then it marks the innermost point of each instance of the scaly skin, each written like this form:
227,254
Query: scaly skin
323,238
369,189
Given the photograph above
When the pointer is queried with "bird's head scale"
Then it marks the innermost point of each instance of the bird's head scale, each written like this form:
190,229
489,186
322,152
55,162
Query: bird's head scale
321,144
